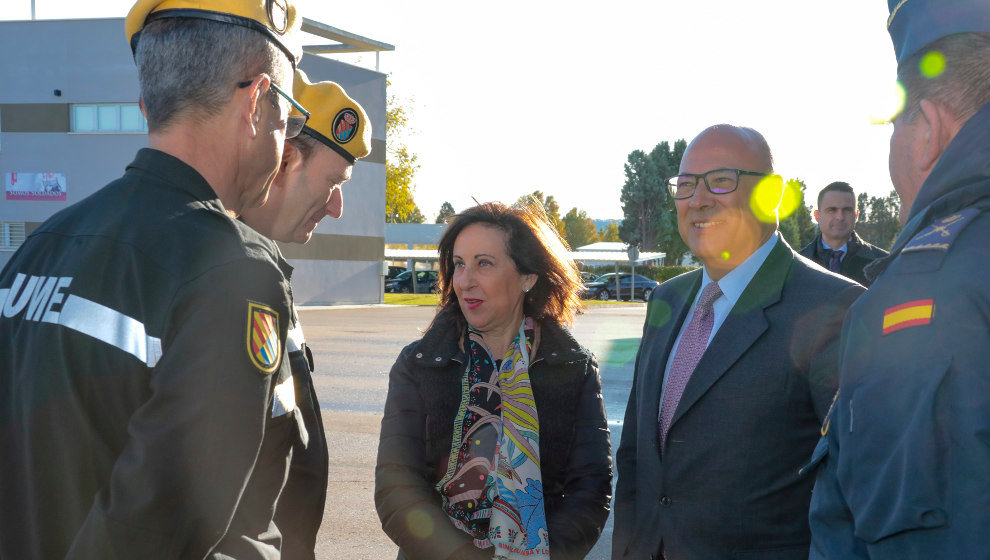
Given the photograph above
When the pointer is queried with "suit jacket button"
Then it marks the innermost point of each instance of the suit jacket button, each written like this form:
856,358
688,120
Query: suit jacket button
665,501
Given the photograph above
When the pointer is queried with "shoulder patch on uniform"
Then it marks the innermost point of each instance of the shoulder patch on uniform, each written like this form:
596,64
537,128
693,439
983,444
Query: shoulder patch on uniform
909,314
941,233
263,346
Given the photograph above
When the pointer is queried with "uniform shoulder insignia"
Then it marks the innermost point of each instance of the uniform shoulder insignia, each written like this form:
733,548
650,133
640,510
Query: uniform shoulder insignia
263,346
942,232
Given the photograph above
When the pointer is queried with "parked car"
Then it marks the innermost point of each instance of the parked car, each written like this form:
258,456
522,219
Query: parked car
604,288
588,277
394,271
426,282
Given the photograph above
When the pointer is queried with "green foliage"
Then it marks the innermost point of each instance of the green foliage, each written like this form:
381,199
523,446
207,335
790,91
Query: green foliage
579,229
446,211
650,218
798,228
878,222
549,207
609,232
400,167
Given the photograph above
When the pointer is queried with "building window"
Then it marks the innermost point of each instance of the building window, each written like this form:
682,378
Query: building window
108,117
11,235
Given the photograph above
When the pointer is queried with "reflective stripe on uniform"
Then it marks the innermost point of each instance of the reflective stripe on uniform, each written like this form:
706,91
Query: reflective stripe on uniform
112,327
295,339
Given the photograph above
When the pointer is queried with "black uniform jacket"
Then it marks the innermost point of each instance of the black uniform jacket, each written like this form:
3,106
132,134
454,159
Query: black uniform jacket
727,485
145,410
300,507
860,254
423,397
905,462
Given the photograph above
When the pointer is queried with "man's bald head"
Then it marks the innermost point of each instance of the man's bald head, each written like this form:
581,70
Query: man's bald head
717,221
740,143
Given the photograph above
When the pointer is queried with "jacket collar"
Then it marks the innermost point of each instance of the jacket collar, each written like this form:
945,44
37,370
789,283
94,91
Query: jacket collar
177,174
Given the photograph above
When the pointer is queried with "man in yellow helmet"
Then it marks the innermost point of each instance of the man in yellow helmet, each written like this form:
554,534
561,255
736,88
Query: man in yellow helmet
315,165
148,411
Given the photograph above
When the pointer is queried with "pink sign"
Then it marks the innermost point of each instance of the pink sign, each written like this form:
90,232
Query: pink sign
35,186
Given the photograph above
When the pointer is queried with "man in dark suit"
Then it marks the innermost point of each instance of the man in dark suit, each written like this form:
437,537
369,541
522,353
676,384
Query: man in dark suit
734,375
837,247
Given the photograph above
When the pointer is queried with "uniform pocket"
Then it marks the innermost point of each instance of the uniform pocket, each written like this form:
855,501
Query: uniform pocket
892,469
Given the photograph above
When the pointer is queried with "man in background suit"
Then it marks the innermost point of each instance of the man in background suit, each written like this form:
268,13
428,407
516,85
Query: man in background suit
734,375
837,247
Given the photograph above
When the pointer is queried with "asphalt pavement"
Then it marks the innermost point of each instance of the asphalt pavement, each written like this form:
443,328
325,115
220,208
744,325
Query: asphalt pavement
354,348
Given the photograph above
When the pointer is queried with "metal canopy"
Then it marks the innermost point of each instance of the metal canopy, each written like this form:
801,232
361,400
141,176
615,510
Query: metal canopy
347,42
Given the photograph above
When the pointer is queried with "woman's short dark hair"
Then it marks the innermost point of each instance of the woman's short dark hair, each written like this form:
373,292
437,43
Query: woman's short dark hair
533,245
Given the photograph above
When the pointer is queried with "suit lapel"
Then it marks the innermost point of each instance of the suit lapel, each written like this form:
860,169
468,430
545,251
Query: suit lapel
745,324
666,314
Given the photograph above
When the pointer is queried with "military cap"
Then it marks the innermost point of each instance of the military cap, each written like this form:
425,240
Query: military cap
275,19
915,23
335,119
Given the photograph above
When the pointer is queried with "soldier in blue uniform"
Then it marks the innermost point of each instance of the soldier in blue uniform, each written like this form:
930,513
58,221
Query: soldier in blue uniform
904,464
307,188
147,411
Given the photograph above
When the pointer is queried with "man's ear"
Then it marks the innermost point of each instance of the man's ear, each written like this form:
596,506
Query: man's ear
292,159
816,216
251,106
941,126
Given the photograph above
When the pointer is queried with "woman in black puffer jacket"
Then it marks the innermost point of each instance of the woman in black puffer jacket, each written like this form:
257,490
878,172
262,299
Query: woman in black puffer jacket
494,442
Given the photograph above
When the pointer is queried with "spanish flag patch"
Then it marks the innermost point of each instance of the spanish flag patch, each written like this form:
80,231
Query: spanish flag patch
263,345
910,314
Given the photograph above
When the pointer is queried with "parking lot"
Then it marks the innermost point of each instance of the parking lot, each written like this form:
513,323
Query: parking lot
354,348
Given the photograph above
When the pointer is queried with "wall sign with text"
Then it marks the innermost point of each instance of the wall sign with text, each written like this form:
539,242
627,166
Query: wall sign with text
35,186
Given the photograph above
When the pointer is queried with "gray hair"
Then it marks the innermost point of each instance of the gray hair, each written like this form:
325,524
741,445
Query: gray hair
962,87
190,67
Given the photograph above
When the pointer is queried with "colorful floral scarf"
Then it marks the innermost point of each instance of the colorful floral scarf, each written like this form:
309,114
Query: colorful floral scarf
492,488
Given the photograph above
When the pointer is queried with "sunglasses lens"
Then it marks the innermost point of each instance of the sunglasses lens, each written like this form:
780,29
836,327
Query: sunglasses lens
294,126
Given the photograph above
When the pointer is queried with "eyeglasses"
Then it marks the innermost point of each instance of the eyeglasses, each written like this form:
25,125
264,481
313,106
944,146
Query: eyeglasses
293,124
717,181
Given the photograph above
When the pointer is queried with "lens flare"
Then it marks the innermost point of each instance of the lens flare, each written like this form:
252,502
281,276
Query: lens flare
767,197
889,105
932,65
726,256
420,524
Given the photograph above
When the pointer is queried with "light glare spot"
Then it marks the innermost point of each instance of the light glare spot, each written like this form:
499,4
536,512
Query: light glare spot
889,104
725,255
792,199
766,198
420,524
932,65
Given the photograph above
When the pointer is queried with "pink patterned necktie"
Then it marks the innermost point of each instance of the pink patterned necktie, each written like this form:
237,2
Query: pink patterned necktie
689,352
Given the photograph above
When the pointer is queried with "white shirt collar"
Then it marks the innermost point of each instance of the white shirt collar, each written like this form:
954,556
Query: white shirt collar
734,283
827,246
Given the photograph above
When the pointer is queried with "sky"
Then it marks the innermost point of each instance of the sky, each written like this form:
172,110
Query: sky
511,97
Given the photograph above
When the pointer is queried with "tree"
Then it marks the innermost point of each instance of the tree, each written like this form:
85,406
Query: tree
878,222
400,167
798,228
649,215
579,228
549,207
609,232
446,211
